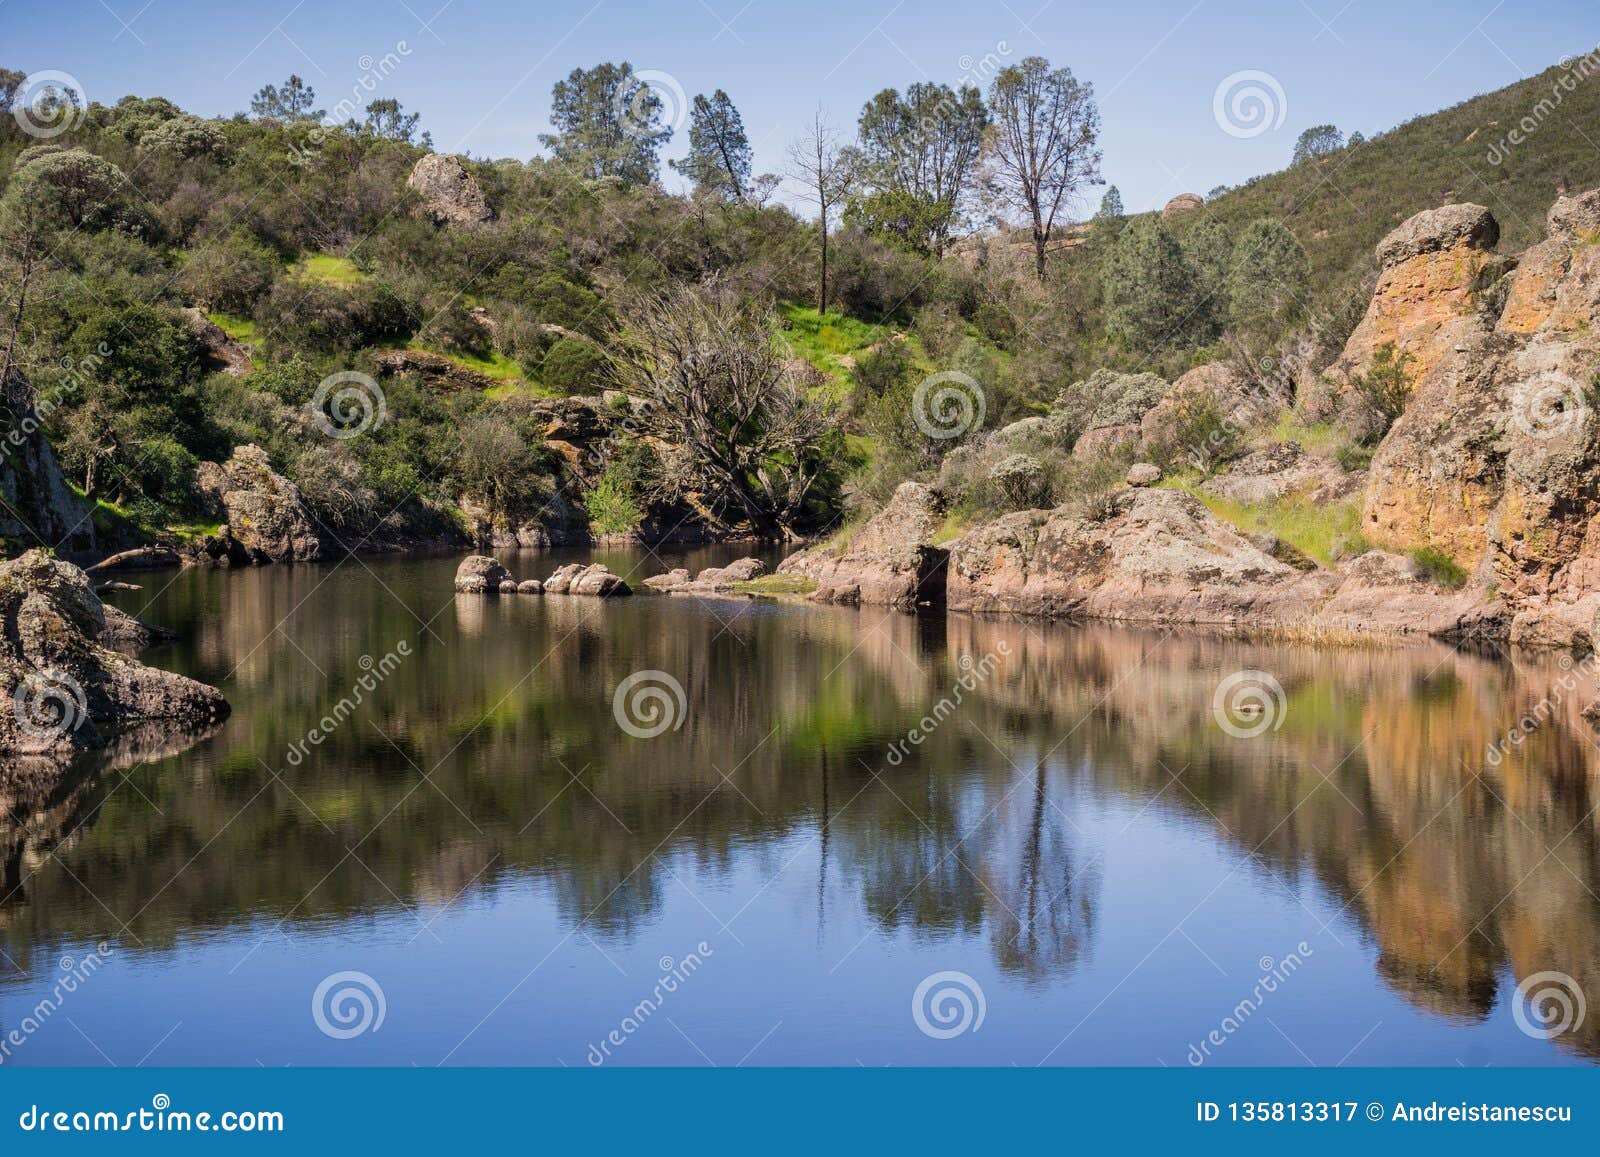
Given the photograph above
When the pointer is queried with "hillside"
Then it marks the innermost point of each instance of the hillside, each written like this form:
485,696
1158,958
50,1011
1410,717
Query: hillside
339,334
1339,206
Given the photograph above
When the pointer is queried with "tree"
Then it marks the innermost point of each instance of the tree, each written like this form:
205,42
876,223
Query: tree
1210,250
719,391
1356,138
1385,387
1150,288
1317,142
719,150
608,124
1108,220
1111,204
919,156
386,119
295,101
1269,280
826,172
1044,147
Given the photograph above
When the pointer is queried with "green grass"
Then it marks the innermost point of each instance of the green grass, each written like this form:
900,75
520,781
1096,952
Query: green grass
777,584
496,365
1317,437
328,269
824,338
1439,567
1314,529
238,328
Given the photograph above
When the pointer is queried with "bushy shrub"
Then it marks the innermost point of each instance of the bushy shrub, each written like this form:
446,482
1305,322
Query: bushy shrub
1021,480
574,366
612,506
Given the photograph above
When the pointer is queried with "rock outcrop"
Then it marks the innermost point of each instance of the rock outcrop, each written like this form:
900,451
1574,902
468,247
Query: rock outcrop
450,193
1182,203
1149,556
64,685
221,351
266,519
1496,460
891,560
36,504
436,370
1426,300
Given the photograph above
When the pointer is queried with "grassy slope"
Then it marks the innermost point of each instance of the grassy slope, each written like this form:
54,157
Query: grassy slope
1341,207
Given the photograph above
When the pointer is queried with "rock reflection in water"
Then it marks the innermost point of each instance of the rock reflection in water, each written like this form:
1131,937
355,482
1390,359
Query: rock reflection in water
491,757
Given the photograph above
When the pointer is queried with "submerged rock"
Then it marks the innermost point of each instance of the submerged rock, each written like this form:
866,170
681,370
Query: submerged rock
66,687
672,580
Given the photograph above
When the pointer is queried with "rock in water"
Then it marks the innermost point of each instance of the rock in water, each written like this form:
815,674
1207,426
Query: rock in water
62,686
594,579
449,191
479,574
267,520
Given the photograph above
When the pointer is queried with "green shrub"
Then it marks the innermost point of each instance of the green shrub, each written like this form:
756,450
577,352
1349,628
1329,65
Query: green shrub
611,507
1438,567
574,366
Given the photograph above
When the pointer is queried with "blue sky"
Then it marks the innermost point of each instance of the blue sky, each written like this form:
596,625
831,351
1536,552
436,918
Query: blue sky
480,71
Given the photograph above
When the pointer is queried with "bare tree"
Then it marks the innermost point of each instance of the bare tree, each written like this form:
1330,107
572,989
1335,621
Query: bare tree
825,170
736,429
1044,145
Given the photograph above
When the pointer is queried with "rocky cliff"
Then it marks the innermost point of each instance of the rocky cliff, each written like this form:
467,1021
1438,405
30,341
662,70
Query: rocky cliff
37,507
64,683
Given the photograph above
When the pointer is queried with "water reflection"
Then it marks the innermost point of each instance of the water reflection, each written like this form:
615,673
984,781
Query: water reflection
491,755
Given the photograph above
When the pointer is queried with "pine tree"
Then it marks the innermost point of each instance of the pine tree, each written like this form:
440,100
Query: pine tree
608,124
719,150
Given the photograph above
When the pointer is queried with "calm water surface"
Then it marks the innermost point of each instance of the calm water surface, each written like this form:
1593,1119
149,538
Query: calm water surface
1074,831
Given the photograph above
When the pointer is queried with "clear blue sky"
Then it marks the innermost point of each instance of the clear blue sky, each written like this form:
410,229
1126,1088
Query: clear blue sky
480,71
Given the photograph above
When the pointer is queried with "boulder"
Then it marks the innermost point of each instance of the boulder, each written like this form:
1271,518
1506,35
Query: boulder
68,688
508,587
1281,470
594,579
741,571
890,560
1214,383
1430,269
479,574
1182,203
267,521
1143,474
450,193
661,583
530,587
